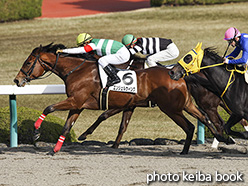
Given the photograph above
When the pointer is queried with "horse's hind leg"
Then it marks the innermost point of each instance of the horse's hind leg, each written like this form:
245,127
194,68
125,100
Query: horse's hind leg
126,116
100,119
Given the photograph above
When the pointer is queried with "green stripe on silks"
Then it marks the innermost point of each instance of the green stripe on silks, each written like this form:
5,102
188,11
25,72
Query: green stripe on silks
104,47
104,98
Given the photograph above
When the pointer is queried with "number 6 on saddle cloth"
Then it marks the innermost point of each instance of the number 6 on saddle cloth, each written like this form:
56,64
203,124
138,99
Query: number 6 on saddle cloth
128,84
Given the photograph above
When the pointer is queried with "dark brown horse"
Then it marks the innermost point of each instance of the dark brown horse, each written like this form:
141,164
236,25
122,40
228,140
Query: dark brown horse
83,87
208,101
223,82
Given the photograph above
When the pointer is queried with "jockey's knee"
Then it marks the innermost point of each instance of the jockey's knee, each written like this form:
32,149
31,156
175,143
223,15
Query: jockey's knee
175,53
150,62
102,62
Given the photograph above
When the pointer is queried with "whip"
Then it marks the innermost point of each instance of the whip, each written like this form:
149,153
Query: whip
226,50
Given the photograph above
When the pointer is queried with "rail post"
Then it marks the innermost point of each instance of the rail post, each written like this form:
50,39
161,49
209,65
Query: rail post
13,121
200,132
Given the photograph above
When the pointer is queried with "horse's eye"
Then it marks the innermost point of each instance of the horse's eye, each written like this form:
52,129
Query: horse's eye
188,58
28,63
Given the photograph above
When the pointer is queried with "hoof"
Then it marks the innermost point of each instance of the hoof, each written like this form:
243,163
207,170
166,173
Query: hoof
230,140
183,153
82,137
36,135
51,153
245,134
115,146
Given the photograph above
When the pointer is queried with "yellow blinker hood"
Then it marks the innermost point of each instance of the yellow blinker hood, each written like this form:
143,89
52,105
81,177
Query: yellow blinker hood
194,65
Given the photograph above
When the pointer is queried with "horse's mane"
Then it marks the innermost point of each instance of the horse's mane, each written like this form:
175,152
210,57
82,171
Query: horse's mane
51,48
211,53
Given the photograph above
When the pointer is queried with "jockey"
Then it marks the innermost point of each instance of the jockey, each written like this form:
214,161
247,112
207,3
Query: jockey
158,49
240,41
110,52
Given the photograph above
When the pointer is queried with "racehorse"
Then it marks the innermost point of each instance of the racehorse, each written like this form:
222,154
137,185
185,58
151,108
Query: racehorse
83,87
224,81
206,101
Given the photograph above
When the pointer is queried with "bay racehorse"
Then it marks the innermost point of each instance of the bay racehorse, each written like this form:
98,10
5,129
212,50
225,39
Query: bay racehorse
83,87
225,81
205,99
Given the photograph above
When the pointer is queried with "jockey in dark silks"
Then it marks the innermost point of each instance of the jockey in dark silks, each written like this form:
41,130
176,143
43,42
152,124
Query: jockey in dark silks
156,49
240,41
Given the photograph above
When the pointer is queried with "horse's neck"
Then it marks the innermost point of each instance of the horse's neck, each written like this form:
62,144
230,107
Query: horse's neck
218,77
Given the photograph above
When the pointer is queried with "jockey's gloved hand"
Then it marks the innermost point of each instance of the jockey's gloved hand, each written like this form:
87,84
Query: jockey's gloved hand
225,60
59,51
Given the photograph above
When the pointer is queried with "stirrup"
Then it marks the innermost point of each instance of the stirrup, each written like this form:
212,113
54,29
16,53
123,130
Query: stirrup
111,82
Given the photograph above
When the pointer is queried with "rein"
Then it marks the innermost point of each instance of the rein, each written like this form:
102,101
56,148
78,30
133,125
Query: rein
74,69
214,65
42,62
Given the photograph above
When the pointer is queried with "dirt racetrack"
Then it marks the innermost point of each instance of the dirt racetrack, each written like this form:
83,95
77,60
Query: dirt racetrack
95,165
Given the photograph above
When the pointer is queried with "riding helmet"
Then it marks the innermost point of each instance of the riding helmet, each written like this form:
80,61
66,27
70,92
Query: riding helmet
82,38
128,40
231,33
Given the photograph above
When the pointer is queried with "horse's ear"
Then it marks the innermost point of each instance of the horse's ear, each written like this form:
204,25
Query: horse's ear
198,47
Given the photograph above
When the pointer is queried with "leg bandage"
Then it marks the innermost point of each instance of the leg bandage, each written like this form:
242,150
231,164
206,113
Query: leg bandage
59,144
39,121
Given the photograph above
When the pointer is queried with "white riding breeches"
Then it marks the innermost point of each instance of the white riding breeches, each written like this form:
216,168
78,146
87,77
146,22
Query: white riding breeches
120,57
170,53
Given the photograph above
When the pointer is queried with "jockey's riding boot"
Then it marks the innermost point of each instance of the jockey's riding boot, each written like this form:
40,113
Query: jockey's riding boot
110,71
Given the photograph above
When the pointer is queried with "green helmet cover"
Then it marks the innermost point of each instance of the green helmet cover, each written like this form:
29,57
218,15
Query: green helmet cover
129,39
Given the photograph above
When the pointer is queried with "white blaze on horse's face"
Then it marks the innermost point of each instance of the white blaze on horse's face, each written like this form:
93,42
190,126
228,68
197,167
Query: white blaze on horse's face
191,62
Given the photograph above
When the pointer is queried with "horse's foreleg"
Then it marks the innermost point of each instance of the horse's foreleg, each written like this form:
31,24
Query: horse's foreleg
218,134
63,105
72,117
100,119
126,116
243,122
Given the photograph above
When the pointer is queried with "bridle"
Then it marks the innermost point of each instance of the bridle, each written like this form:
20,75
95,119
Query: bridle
46,68
43,65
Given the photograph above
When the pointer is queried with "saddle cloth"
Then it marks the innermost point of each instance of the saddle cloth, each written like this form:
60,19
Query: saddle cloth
128,80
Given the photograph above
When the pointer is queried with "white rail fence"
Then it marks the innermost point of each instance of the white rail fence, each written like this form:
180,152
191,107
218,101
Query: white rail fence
13,91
